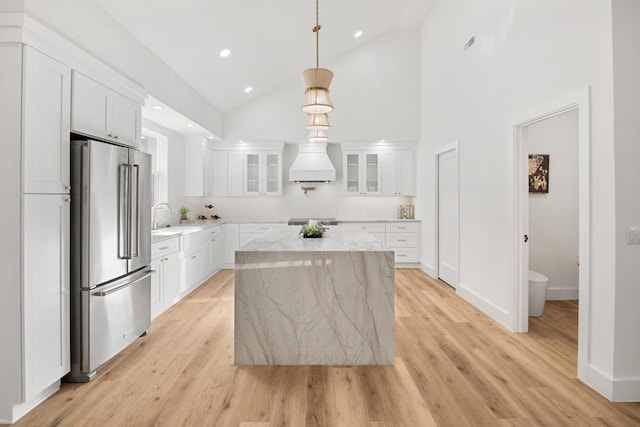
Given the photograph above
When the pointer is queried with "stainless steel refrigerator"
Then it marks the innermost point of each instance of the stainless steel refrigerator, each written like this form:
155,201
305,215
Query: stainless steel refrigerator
110,252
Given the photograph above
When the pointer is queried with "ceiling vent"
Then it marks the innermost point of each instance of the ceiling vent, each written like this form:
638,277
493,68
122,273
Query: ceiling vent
312,164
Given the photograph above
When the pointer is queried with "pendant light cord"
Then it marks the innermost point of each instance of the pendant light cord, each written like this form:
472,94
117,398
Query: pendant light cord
316,30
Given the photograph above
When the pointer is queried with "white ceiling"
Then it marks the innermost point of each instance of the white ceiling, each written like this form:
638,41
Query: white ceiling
271,41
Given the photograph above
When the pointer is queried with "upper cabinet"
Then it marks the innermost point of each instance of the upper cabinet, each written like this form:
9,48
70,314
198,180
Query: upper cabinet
371,169
263,173
362,173
248,170
398,173
99,111
46,116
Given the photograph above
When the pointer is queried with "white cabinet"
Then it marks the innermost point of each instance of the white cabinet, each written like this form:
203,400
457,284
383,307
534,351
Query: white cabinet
213,246
231,244
207,173
228,173
263,173
362,173
35,304
398,173
192,268
45,141
98,111
165,280
45,273
403,238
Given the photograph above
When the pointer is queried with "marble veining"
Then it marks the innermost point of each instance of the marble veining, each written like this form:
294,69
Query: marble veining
314,307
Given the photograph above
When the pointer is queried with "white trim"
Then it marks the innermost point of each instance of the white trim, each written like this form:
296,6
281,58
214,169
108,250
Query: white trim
614,389
23,28
562,294
246,146
492,310
447,148
428,269
519,203
19,410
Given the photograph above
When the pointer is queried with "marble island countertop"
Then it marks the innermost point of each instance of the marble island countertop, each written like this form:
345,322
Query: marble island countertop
337,238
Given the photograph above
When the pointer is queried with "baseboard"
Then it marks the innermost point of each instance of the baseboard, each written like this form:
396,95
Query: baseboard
616,390
428,269
558,294
496,313
15,412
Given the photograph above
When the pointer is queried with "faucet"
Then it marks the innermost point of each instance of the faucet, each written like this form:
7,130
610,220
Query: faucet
154,223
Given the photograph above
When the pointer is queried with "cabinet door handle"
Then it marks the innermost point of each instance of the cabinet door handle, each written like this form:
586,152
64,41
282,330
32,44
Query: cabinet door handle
163,248
67,187
402,240
67,199
402,228
194,257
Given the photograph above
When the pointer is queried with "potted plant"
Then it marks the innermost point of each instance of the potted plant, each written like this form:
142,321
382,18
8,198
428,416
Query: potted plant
183,213
312,229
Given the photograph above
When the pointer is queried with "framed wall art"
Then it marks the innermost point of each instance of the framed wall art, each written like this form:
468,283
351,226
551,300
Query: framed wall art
538,173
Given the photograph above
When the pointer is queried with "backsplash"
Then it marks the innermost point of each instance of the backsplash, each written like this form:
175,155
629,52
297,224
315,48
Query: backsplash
325,201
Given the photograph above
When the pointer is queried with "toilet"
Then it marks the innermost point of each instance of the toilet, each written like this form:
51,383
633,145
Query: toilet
537,293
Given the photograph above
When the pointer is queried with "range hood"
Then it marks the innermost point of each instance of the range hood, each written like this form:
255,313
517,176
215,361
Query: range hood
312,164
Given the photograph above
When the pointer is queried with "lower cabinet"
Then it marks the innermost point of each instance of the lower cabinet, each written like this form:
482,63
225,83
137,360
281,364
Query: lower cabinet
401,237
191,268
165,282
46,304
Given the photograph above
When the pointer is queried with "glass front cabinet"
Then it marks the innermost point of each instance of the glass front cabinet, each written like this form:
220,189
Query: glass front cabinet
362,173
263,173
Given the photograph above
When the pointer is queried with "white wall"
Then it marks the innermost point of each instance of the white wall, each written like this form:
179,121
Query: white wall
87,25
526,53
553,217
374,91
626,24
325,201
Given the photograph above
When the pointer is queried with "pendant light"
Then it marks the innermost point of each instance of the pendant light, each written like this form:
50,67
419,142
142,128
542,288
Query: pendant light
317,81
317,136
318,121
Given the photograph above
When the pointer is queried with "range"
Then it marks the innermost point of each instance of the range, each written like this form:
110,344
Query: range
303,221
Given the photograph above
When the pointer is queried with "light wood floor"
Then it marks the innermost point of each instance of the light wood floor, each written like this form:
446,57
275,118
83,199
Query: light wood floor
454,367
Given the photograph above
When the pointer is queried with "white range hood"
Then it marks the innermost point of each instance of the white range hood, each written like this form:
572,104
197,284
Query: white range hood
312,164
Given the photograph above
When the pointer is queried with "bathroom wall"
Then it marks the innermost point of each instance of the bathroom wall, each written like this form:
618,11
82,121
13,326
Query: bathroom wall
325,201
553,217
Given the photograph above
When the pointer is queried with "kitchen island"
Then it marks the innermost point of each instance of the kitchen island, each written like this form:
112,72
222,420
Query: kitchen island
322,301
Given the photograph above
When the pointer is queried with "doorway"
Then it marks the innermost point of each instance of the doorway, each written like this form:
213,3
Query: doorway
578,101
447,214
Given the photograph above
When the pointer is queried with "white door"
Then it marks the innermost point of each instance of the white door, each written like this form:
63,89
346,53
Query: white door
448,217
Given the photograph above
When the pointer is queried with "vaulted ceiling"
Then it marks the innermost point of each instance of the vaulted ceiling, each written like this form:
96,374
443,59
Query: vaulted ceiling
271,42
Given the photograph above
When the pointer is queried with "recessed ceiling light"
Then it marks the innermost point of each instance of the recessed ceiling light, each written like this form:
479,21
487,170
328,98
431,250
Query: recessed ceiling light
158,107
248,89
224,53
143,137
190,125
357,34
211,137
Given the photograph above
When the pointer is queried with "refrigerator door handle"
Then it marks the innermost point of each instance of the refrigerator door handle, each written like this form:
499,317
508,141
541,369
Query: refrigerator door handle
134,250
124,213
121,287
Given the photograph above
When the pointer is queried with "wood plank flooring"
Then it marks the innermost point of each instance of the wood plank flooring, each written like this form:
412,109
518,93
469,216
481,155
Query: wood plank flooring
454,366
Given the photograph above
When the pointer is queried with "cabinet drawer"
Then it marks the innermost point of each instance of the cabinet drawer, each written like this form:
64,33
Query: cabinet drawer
402,227
402,240
371,227
258,228
164,247
406,255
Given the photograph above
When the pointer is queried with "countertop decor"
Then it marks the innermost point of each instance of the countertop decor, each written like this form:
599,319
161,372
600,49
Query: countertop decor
312,229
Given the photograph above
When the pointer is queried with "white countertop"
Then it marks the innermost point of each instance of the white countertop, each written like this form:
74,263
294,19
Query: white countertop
336,238
174,231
